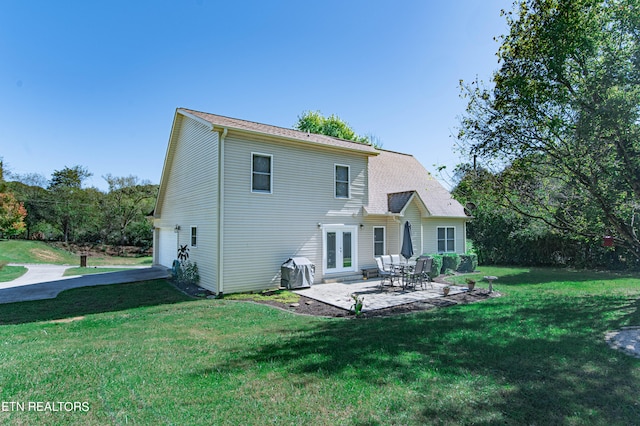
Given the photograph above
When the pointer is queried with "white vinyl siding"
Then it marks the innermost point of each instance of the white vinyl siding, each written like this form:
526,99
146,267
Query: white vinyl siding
190,196
260,233
342,174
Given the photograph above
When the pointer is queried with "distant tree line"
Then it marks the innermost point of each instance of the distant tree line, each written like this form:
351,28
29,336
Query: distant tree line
63,209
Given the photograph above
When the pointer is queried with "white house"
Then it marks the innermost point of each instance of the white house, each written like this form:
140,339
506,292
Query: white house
246,196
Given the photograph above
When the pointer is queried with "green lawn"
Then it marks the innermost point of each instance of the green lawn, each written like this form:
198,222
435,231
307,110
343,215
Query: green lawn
145,354
10,273
23,251
88,271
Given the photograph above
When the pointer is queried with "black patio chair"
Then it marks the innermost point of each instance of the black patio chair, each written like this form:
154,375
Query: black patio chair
420,274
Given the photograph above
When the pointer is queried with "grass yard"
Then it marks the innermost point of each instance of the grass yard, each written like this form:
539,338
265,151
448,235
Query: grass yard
145,354
24,251
89,271
10,273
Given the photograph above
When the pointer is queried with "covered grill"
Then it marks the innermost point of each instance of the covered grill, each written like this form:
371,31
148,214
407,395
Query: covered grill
297,272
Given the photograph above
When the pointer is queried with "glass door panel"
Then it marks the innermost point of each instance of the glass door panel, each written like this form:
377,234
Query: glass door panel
331,250
347,255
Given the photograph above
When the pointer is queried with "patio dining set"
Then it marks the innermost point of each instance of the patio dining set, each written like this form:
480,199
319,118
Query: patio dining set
395,270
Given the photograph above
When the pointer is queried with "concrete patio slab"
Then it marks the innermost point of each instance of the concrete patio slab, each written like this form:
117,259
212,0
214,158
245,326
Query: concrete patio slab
375,296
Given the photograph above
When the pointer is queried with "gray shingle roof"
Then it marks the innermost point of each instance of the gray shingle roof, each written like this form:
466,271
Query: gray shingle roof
393,175
265,129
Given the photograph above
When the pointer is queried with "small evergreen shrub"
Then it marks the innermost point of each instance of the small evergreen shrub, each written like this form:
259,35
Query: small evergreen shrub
187,273
450,261
468,263
436,265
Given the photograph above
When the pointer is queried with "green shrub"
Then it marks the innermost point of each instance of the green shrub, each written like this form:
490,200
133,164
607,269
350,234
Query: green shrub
450,261
468,263
436,265
187,273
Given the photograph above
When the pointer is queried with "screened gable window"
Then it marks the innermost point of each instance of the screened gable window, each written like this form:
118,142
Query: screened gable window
446,239
261,175
378,241
342,181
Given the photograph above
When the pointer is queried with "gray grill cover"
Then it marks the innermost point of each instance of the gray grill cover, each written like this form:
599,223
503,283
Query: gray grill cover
297,272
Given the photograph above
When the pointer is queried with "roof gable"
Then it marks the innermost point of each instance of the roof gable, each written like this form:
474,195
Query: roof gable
395,179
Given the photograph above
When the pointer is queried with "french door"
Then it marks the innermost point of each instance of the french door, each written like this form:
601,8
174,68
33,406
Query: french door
340,248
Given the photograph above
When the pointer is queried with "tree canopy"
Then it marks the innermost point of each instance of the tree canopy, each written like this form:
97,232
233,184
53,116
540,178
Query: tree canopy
561,124
69,177
315,122
62,209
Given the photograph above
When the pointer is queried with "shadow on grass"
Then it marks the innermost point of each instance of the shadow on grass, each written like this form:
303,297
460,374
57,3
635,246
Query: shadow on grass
508,361
92,300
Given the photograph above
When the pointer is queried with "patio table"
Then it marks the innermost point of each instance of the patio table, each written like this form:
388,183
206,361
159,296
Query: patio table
405,269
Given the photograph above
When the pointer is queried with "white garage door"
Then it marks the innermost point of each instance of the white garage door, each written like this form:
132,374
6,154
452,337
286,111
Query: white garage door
167,247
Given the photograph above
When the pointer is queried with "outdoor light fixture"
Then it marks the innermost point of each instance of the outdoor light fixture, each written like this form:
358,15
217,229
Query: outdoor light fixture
361,225
177,228
319,225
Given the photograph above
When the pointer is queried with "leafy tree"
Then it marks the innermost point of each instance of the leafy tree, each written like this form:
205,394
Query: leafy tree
127,204
563,120
12,214
315,122
69,177
37,201
501,235
70,203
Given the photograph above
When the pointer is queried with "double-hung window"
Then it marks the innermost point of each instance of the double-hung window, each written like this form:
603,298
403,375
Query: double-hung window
261,173
342,181
446,239
194,236
378,241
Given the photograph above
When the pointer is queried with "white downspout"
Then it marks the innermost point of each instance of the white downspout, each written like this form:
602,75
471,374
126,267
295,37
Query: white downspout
220,247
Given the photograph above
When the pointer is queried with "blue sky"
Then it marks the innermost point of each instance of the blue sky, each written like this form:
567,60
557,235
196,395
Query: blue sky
96,83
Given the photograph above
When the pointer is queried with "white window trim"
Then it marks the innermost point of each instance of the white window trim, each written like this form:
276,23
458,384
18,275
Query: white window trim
335,181
254,191
191,236
384,239
446,249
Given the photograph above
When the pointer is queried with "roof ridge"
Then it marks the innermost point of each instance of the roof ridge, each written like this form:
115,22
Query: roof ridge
395,152
288,129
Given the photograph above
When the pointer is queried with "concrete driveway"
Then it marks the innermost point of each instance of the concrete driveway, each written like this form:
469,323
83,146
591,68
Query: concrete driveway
46,281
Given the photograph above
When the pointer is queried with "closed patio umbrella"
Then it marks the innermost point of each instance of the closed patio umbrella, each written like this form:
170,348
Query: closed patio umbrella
407,244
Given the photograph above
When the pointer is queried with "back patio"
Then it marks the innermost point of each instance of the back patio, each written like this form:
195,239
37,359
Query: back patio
375,296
